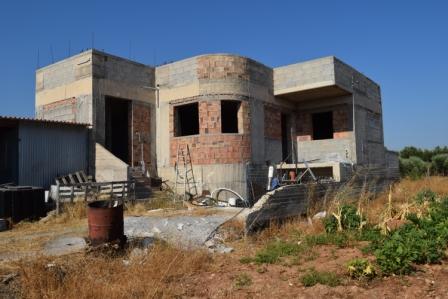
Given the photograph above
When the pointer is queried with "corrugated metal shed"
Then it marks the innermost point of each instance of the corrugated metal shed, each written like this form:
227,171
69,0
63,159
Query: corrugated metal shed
36,120
47,149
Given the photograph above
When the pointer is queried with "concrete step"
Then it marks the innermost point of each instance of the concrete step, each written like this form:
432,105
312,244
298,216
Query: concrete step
142,183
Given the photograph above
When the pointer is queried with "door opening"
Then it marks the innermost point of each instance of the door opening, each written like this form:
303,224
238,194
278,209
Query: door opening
285,138
117,127
323,125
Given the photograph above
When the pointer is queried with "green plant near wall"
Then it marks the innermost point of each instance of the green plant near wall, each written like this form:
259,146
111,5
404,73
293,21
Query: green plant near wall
346,218
422,240
425,195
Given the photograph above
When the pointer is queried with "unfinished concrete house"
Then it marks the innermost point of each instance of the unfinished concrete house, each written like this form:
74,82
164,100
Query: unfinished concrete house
235,114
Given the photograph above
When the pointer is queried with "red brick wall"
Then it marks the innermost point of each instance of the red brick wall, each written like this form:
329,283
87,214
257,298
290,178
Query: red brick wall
67,105
211,146
304,127
140,122
209,117
222,67
272,123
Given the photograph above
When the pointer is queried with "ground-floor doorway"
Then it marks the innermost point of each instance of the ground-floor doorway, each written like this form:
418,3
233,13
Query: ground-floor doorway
117,127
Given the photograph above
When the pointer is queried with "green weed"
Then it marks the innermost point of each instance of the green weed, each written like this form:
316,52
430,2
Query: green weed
246,260
275,250
350,219
339,239
314,277
423,240
425,195
361,269
242,280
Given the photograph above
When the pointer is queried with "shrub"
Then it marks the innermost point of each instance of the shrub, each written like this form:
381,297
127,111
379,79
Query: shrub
349,219
439,164
370,233
425,195
314,277
361,269
423,154
330,223
423,240
394,256
413,167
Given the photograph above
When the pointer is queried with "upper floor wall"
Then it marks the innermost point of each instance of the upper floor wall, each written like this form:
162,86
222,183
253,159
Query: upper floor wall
65,89
322,78
214,74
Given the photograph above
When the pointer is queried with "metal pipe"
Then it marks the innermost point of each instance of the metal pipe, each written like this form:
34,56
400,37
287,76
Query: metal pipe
157,92
132,133
216,192
354,118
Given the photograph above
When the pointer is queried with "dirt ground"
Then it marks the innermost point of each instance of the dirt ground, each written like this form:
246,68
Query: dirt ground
218,280
167,271
279,281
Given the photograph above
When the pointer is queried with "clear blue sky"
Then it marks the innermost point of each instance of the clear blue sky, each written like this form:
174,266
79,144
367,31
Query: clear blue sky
402,45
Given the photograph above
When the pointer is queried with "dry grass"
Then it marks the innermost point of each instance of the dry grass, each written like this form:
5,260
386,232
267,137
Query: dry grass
160,273
167,272
31,236
288,229
374,208
393,203
70,213
402,195
158,200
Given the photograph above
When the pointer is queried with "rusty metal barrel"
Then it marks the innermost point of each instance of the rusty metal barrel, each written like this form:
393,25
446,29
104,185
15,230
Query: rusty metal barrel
105,218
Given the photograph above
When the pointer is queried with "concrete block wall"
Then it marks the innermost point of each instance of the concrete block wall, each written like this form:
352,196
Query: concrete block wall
209,79
368,113
118,69
305,75
272,133
326,150
108,167
119,78
75,89
392,159
64,90
127,80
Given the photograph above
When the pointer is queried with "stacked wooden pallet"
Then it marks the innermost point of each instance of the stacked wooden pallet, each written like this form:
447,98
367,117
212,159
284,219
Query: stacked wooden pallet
78,186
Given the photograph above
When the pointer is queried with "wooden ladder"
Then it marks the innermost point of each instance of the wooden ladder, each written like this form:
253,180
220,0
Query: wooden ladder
185,176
